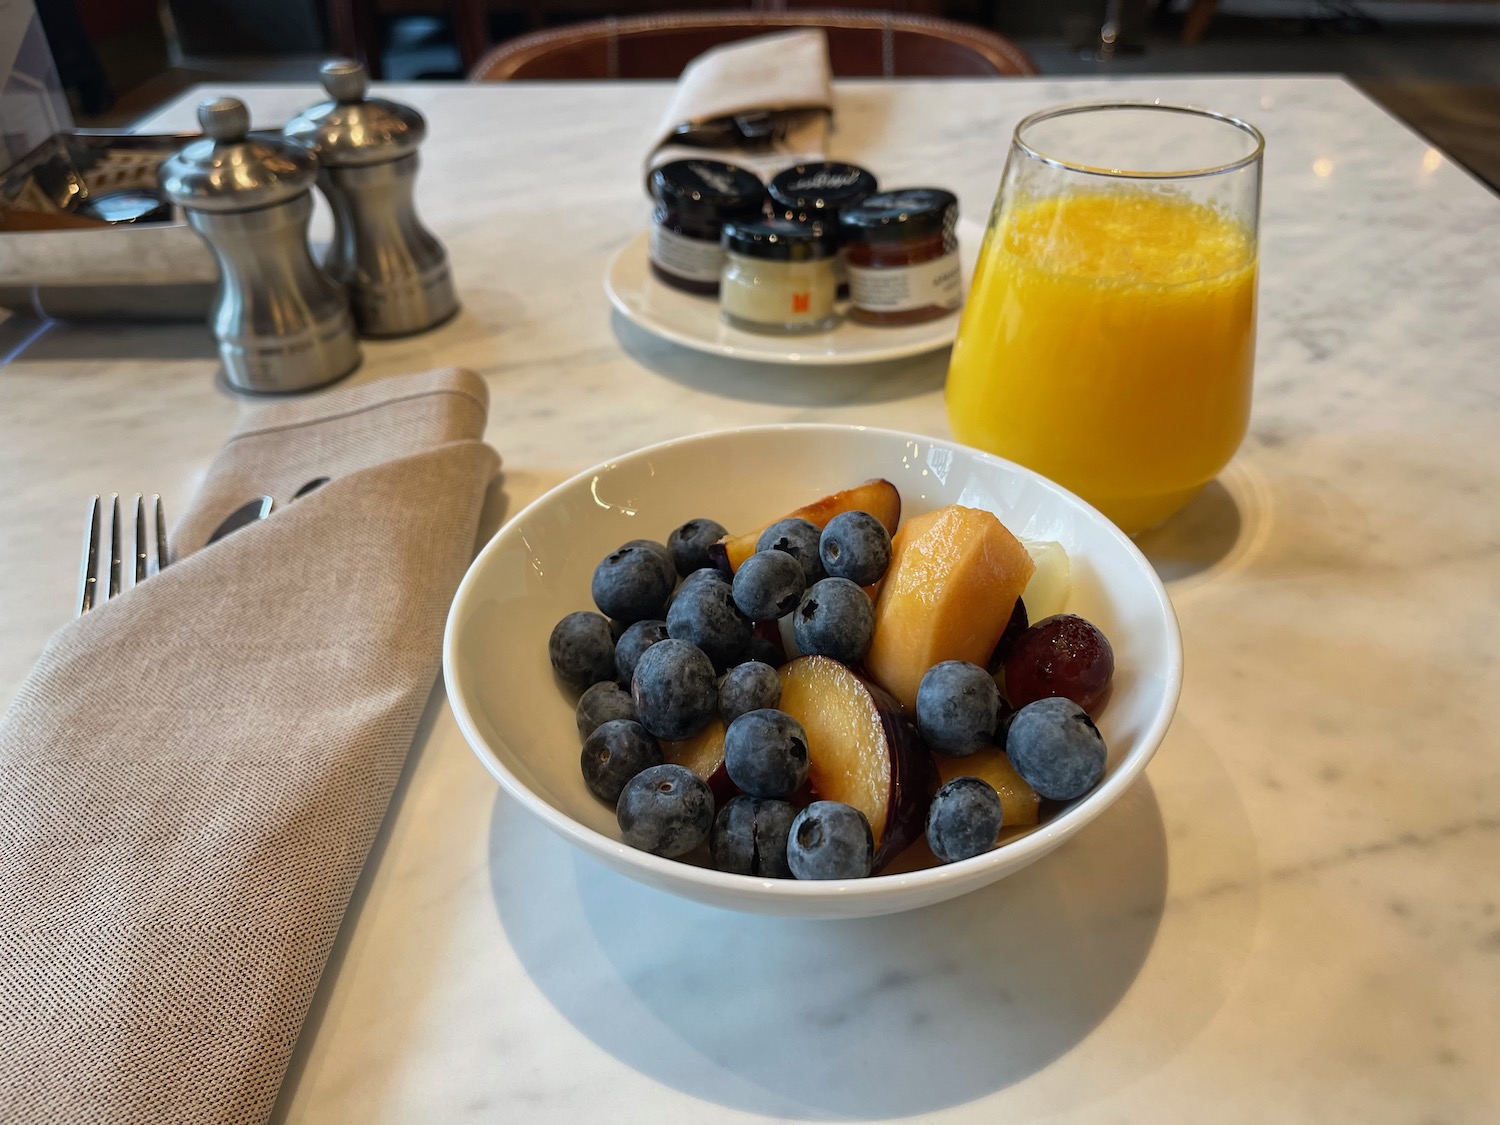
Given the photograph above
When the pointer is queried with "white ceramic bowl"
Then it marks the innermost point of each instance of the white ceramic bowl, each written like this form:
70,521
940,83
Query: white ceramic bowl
537,569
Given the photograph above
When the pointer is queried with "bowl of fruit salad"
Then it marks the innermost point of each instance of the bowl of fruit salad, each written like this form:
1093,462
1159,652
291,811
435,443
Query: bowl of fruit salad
813,670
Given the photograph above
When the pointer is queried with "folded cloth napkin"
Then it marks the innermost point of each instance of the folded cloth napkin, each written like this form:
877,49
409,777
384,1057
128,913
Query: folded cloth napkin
192,776
786,75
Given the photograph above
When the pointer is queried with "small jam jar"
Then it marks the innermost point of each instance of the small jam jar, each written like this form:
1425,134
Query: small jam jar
811,193
778,276
903,256
818,192
694,199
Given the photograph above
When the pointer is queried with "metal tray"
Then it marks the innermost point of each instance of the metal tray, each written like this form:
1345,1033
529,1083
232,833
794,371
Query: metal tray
153,268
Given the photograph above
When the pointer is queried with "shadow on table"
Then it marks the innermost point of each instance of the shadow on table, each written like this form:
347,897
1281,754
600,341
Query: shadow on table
782,384
1196,538
30,338
881,1017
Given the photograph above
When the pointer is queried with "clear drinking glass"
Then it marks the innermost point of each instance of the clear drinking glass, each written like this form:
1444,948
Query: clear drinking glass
1108,339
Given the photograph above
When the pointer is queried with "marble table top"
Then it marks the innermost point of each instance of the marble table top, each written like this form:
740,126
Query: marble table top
1294,918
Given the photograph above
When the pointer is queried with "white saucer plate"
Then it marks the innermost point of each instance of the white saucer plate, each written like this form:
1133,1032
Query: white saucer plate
694,322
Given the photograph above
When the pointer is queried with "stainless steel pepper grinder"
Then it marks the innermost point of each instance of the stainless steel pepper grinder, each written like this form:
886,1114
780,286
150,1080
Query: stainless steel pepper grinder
282,324
396,272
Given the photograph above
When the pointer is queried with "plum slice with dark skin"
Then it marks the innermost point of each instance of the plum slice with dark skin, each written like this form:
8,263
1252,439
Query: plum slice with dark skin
880,498
863,750
704,755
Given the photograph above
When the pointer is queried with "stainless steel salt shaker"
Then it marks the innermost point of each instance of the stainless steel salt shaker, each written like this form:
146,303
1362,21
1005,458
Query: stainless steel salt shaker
395,271
282,324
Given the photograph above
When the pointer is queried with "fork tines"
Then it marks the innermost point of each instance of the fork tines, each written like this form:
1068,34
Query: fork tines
147,542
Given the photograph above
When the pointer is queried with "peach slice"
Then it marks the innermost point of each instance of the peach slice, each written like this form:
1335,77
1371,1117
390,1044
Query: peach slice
1019,803
861,750
878,497
954,578
704,755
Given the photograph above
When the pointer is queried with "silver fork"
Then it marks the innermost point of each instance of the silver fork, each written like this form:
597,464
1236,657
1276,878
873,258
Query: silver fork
148,550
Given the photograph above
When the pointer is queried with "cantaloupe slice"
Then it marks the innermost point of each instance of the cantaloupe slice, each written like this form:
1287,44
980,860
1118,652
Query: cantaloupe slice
878,497
954,578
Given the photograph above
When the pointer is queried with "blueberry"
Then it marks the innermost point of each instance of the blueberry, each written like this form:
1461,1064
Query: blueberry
830,840
615,753
662,553
581,650
673,690
765,753
689,545
1003,720
749,837
768,585
601,703
763,650
798,538
750,686
963,819
666,810
1055,746
856,546
631,585
704,613
632,643
957,703
835,619
704,574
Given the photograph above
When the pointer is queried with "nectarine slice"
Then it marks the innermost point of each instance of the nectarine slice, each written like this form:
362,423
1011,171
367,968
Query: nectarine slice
878,497
1019,803
861,750
954,578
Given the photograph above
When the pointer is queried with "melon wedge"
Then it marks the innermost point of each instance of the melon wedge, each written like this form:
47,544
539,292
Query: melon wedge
954,578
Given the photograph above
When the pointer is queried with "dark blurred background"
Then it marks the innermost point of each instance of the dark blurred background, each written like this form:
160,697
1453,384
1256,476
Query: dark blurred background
1434,63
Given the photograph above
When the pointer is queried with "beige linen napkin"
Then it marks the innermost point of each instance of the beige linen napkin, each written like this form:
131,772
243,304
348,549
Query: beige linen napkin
786,73
191,777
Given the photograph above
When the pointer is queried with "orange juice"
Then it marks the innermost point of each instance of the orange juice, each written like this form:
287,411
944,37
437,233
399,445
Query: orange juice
1107,343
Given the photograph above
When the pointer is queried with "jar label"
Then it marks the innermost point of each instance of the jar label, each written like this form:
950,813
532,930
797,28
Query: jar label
934,284
692,259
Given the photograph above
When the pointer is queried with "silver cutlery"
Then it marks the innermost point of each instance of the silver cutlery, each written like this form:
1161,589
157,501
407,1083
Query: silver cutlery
148,541
148,549
243,516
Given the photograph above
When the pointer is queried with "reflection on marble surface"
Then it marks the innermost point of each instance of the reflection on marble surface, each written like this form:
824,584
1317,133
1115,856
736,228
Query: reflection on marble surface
1296,920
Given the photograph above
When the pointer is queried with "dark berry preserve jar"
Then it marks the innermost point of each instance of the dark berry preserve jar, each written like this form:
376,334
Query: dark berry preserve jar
817,193
903,256
694,199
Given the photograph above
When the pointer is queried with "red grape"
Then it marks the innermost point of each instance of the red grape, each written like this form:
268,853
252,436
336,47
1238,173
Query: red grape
1063,655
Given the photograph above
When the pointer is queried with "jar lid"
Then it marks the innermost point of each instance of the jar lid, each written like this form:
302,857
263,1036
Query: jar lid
894,216
710,188
352,129
781,240
820,190
227,170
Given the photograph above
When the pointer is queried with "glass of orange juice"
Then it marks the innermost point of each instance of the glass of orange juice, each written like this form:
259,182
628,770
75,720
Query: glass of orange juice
1109,335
